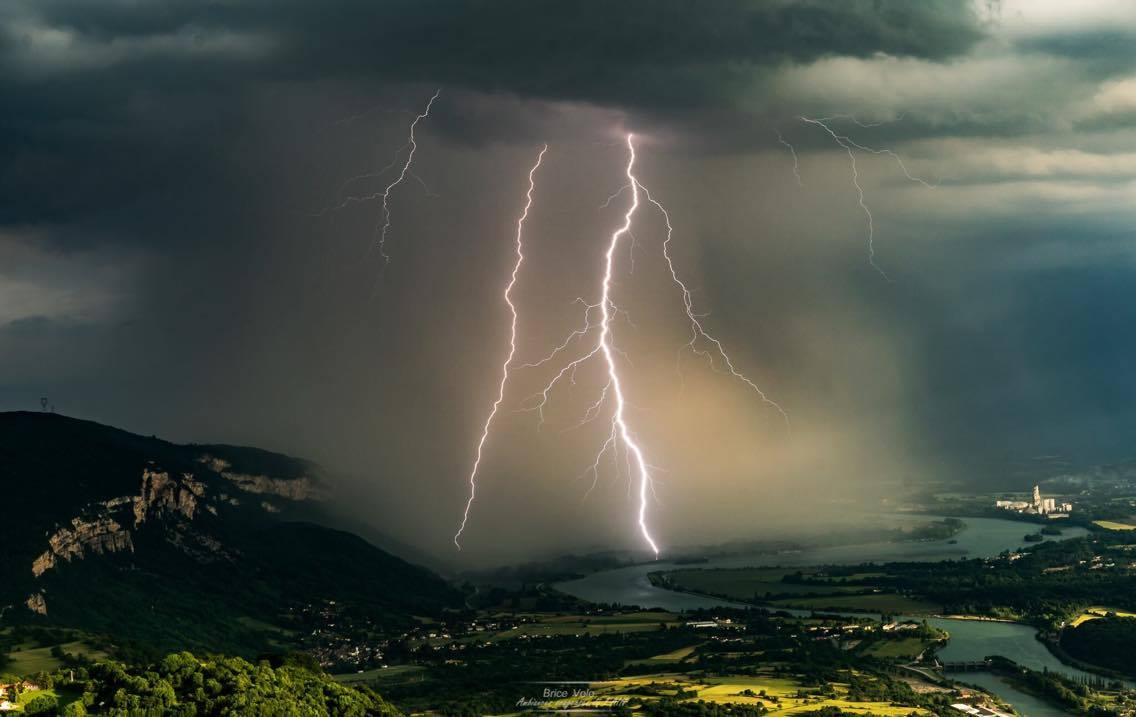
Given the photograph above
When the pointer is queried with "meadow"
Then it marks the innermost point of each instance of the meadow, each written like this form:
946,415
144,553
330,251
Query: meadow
890,603
27,658
820,592
1113,525
778,694
1094,612
749,583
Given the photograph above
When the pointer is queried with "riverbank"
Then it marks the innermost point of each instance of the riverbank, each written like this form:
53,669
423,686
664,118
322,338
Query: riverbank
978,618
973,637
1008,688
662,580
968,640
1054,646
1022,702
938,620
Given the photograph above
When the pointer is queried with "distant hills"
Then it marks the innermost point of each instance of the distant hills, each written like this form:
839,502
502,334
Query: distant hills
181,546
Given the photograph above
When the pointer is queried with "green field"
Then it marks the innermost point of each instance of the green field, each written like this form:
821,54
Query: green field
395,673
667,657
640,621
675,656
875,602
849,578
1096,611
883,709
780,695
646,616
576,628
575,625
63,697
255,624
29,660
1113,525
748,583
906,648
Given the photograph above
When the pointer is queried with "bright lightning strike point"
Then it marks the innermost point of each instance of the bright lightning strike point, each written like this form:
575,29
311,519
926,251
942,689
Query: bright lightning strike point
520,258
619,423
621,435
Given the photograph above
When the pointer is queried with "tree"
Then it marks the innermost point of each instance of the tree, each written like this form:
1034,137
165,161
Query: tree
74,709
41,704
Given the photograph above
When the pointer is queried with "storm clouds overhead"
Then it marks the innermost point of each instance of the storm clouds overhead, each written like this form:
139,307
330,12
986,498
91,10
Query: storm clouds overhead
169,263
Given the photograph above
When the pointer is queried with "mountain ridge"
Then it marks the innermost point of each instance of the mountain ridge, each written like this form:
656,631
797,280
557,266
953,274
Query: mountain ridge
185,544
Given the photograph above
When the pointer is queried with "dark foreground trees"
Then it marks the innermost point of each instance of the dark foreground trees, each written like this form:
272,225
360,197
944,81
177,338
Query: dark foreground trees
1109,642
186,685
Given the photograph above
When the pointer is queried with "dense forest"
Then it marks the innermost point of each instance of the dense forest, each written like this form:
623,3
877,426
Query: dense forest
1107,641
184,684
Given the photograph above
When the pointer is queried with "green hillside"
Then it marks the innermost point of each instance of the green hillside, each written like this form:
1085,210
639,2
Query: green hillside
185,684
183,547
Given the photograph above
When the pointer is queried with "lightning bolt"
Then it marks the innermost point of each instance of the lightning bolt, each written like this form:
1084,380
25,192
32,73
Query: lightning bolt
621,434
621,437
697,330
858,123
619,423
411,146
796,162
848,145
508,296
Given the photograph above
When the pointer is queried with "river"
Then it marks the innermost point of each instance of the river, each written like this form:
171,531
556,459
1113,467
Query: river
970,639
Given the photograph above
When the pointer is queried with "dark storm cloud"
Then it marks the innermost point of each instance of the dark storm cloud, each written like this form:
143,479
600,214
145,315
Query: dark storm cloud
108,96
673,51
176,150
1016,354
1105,52
571,49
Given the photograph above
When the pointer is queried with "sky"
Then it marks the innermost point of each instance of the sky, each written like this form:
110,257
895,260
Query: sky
176,257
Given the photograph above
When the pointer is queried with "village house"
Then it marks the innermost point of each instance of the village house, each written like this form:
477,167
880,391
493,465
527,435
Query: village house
7,691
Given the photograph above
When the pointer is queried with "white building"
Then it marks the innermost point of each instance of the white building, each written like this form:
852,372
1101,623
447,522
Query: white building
978,711
1037,506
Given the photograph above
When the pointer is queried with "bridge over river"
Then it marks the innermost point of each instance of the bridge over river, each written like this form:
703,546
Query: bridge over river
973,665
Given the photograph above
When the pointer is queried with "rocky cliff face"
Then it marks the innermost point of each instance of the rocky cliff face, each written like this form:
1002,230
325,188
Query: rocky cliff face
176,500
162,494
98,536
301,488
141,539
37,604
